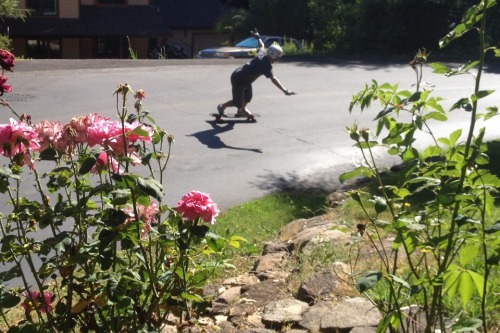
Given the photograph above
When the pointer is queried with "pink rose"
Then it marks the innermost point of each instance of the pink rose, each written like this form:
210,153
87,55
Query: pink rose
23,138
146,214
18,138
6,60
105,162
4,87
198,205
49,133
34,299
140,94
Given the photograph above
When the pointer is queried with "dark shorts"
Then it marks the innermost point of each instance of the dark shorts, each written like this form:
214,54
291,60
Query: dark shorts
242,91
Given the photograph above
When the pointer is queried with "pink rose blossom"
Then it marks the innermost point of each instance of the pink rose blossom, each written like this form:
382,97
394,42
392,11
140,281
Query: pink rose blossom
140,94
146,214
18,138
49,134
82,123
105,162
198,205
6,60
4,87
133,137
43,302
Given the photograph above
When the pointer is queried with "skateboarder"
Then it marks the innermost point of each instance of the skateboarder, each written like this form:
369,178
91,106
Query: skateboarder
243,77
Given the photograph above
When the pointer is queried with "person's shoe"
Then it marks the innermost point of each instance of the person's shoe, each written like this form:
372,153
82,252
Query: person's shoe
221,111
243,113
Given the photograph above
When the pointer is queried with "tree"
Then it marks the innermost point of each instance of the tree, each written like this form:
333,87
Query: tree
236,3
279,17
9,9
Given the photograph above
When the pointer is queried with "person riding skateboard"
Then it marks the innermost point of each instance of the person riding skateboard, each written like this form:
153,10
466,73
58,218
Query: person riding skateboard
243,77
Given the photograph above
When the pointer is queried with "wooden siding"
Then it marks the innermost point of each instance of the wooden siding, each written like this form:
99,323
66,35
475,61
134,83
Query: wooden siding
69,9
70,48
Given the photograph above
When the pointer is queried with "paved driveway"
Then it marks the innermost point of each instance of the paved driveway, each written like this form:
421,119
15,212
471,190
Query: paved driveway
299,142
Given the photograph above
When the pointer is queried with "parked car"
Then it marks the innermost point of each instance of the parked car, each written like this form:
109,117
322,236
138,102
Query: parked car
246,48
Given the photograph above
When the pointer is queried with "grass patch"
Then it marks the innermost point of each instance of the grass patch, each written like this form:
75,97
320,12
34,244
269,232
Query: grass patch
260,220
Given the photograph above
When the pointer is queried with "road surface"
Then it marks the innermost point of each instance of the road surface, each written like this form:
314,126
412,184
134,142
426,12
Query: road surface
298,142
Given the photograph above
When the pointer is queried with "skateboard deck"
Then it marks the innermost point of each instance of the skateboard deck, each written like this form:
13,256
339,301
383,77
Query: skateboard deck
221,119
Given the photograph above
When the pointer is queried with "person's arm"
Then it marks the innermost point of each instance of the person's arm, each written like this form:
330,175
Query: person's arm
261,43
278,84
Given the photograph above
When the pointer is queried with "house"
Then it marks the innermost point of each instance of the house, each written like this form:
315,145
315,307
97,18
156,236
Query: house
85,29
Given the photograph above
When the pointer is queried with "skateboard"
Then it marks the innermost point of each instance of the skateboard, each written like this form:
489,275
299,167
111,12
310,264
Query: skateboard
221,119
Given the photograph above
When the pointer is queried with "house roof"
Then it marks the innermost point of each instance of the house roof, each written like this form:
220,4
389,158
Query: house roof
95,21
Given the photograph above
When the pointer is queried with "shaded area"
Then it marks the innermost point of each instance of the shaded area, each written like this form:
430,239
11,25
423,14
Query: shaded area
210,137
320,182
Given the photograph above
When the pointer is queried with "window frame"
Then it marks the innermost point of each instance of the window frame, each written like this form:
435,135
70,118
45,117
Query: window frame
40,7
43,49
111,2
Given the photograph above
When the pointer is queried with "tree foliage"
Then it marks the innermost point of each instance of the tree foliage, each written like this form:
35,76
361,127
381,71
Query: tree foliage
9,9
383,27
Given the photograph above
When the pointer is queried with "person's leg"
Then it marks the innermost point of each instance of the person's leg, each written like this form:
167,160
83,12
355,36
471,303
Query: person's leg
247,97
237,93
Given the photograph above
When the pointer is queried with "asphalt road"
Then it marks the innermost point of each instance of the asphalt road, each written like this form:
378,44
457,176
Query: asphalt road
298,142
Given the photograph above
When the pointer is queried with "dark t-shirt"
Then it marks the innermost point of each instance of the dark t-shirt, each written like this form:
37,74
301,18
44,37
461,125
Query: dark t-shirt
248,73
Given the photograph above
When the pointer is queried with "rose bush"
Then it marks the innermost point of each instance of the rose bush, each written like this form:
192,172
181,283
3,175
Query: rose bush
113,257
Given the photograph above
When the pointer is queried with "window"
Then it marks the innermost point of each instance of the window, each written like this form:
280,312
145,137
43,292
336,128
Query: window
112,2
42,7
43,49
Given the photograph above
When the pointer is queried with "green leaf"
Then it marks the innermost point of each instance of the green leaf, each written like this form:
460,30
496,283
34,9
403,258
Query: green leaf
114,217
12,273
49,154
468,253
492,229
352,174
400,281
151,187
116,290
369,280
478,282
466,325
436,116
8,300
481,94
139,131
192,298
440,68
380,204
87,165
7,173
451,280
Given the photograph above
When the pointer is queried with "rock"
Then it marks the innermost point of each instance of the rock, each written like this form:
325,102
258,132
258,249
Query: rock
283,312
264,301
300,232
230,296
350,313
273,247
328,284
241,280
271,266
169,329
264,292
313,317
336,199
364,330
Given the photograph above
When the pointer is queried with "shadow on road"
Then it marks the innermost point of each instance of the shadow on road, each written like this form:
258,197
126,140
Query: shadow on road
210,137
322,182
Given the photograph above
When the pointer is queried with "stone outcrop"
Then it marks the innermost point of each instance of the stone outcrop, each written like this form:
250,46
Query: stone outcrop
265,300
